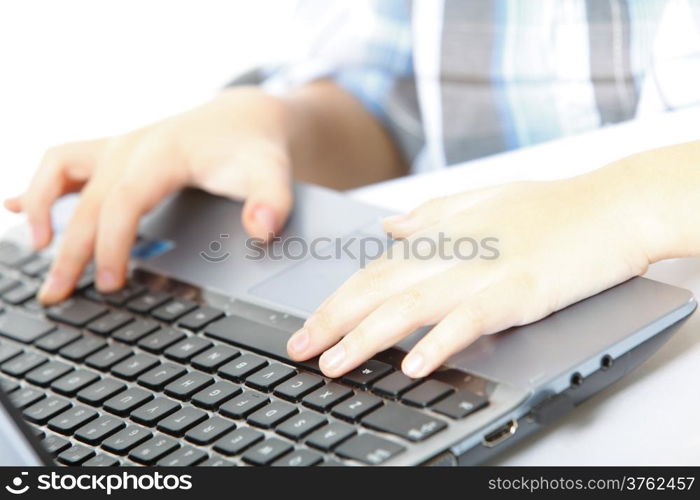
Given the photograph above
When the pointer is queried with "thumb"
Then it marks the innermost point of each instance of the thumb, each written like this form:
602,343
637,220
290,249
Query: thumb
269,201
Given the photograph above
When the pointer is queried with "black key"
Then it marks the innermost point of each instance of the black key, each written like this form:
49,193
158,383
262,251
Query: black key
102,460
366,373
179,422
73,382
299,458
23,363
301,425
153,450
184,350
87,279
160,340
36,267
46,409
184,457
25,397
173,310
214,357
369,449
271,415
210,430
155,410
427,393
118,298
124,440
270,376
76,455
48,372
23,328
357,406
188,384
108,357
158,377
76,311
213,396
99,392
404,422
55,444
267,452
8,351
135,331
241,367
7,385
395,384
7,284
297,387
111,321
70,420
217,462
237,441
20,294
199,318
460,404
323,398
125,402
148,301
81,349
134,366
328,437
13,255
243,404
58,338
100,429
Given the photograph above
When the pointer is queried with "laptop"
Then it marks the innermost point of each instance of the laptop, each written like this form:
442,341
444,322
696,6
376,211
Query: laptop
187,365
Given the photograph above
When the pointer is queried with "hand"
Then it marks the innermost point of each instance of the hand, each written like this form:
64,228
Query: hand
557,243
233,146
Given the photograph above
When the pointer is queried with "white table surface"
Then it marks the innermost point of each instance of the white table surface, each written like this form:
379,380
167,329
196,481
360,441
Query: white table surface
651,417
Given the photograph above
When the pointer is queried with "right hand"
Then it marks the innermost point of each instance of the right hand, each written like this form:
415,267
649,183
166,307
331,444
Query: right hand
235,145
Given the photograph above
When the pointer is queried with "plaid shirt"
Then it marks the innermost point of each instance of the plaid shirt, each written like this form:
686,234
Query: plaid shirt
454,80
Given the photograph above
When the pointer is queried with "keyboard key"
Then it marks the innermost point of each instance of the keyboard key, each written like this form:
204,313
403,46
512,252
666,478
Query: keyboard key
46,409
271,415
58,338
366,373
111,321
71,383
70,420
36,267
301,425
461,404
134,366
124,440
99,392
7,385
158,377
299,458
237,441
242,366
199,318
179,422
26,397
213,396
184,350
214,357
48,372
99,429
357,406
299,386
217,462
184,457
81,349
76,311
328,437
369,449
187,385
118,298
135,331
173,310
267,452
23,328
127,401
148,301
7,284
154,411
153,450
20,294
210,430
23,363
323,398
395,384
76,455
102,460
108,357
404,422
427,393
14,255
270,376
243,404
55,444
160,340
8,351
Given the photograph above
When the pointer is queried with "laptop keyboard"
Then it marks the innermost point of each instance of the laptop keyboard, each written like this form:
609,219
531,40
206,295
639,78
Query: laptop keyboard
144,376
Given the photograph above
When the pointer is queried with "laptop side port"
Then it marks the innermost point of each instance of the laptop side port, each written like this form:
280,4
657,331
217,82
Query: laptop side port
504,432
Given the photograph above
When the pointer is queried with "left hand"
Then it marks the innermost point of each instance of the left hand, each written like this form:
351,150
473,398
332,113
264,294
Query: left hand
557,242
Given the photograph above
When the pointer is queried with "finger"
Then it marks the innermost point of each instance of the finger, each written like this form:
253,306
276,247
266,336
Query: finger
269,200
14,204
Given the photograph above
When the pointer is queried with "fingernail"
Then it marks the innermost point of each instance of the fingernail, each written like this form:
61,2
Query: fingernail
38,236
299,342
396,219
413,364
54,286
107,280
266,218
333,357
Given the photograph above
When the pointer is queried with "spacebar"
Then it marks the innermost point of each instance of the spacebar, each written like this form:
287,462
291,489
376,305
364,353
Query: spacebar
256,337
